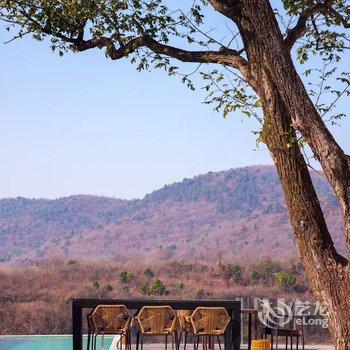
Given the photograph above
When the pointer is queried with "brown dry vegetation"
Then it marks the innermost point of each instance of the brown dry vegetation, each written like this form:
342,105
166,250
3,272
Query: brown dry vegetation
37,299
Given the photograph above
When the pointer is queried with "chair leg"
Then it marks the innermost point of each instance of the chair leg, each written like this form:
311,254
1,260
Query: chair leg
286,343
95,340
303,342
218,343
291,343
211,343
196,342
142,336
276,342
166,342
137,340
128,340
124,335
176,340
120,342
88,340
179,337
272,340
297,343
185,341
173,341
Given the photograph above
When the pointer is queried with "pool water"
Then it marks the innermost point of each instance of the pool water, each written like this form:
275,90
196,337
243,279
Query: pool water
43,342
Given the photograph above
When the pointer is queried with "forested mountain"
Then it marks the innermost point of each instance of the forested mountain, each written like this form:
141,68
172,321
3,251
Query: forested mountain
239,213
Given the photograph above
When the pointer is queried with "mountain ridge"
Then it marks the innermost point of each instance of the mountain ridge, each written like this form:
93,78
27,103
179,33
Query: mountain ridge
235,213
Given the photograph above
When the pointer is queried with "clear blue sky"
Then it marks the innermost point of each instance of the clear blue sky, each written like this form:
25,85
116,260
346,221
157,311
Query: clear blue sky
83,124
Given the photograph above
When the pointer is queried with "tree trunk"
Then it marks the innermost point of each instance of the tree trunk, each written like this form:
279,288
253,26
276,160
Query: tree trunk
327,270
284,100
263,40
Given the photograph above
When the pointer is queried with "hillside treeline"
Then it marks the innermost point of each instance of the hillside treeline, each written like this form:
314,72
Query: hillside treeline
37,299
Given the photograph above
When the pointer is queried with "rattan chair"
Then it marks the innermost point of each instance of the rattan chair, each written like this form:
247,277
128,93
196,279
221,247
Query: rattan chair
111,320
157,320
209,323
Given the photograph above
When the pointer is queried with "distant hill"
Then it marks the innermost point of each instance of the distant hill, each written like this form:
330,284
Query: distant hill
234,214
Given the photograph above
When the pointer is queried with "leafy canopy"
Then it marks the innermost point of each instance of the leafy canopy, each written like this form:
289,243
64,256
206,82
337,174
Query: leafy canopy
152,33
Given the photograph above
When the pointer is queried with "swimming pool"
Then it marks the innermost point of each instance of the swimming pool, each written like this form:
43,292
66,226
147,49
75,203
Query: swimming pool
50,342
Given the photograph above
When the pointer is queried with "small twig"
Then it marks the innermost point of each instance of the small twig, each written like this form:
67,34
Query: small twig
335,101
17,37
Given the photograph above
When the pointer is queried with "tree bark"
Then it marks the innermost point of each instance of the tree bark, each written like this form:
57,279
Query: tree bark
265,45
327,270
286,106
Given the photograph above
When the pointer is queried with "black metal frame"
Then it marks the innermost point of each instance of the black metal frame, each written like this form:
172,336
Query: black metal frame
233,307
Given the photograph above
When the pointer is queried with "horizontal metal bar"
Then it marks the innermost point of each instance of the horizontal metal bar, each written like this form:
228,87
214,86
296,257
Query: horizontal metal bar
176,304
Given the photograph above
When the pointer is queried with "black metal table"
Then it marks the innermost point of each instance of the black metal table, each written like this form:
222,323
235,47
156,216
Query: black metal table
250,313
232,336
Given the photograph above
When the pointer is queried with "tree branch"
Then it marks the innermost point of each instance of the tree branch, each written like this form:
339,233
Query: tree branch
338,16
300,28
224,56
